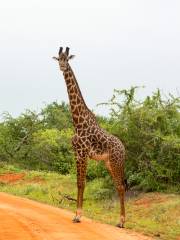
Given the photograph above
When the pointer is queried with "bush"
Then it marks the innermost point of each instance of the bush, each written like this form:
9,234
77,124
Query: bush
52,149
150,131
96,170
38,141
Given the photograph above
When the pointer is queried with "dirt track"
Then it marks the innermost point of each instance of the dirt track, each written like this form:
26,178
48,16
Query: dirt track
23,219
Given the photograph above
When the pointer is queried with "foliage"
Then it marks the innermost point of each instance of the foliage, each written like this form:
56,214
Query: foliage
38,141
150,131
52,148
56,116
96,170
16,135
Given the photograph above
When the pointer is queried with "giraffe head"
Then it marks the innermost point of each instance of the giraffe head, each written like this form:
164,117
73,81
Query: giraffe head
63,58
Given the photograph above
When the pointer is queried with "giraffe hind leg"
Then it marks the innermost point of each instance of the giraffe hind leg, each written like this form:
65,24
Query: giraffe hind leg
121,191
115,166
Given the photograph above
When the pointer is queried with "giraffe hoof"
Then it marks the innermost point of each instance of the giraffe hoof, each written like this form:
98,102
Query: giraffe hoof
76,219
120,225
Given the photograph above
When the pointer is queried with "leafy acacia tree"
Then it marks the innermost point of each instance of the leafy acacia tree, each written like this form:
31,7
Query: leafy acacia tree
16,135
56,116
150,131
51,149
38,140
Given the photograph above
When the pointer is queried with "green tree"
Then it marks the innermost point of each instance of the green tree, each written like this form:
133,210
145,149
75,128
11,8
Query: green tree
57,116
52,150
150,131
16,135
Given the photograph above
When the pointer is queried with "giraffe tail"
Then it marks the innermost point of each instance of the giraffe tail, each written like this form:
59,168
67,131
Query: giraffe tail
126,185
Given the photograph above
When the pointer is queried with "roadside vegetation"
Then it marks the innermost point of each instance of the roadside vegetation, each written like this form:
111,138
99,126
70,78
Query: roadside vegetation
38,146
149,129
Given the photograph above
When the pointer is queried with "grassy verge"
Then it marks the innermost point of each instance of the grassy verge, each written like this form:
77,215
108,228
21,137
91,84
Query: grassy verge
154,214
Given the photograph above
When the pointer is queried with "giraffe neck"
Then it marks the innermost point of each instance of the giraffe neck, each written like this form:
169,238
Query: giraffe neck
77,103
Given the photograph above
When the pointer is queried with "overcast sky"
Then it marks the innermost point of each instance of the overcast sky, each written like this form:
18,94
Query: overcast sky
117,44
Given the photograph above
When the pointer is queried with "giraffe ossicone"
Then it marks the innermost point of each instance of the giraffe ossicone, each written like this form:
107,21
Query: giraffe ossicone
90,141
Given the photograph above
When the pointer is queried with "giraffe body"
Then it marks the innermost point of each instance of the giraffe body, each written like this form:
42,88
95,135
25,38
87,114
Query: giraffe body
90,141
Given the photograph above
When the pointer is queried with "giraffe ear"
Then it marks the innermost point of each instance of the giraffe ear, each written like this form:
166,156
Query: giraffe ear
71,57
55,58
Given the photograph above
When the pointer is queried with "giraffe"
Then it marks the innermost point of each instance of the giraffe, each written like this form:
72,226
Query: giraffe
90,141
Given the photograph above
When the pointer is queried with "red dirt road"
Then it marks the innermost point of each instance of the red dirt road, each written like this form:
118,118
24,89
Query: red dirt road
23,219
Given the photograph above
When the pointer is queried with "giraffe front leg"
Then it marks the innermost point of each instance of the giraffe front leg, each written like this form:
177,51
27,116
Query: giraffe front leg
81,177
117,173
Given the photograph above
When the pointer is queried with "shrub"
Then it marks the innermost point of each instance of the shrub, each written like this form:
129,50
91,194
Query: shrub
52,149
150,131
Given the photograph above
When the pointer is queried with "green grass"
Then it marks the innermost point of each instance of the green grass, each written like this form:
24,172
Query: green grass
154,214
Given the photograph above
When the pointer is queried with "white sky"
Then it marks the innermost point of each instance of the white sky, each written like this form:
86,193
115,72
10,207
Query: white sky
117,44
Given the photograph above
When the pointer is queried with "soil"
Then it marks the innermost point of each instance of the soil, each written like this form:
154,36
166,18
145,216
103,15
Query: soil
11,177
23,219
151,199
16,177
